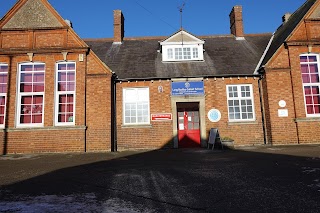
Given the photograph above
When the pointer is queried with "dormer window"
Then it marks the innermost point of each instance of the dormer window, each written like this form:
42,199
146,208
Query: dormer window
183,53
182,46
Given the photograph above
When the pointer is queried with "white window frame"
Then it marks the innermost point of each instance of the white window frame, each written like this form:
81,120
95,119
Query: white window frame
179,53
240,98
58,93
4,94
22,94
195,52
170,53
136,102
310,84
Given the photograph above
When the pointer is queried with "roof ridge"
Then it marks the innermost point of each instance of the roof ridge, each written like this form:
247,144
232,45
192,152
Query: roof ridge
161,37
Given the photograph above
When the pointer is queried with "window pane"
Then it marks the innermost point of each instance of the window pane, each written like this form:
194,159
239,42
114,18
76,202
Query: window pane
37,118
231,116
195,52
314,78
62,67
170,54
310,109
313,68
312,58
136,106
303,59
2,110
39,67
70,86
315,90
26,68
2,100
71,76
25,119
308,99
66,85
316,99
38,87
62,86
244,116
71,66
307,90
3,78
3,68
305,78
240,103
304,68
62,76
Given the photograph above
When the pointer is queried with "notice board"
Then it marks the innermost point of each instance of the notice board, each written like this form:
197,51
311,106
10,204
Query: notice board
214,137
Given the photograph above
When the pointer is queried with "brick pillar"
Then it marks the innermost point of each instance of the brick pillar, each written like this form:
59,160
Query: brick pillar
118,26
236,22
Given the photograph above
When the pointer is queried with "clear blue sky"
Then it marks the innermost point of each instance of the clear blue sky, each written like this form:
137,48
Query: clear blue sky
94,18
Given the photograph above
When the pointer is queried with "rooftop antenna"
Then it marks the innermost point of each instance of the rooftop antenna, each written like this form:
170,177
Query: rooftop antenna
181,11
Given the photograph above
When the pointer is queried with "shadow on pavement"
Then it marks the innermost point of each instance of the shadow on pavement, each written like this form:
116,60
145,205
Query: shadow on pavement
263,179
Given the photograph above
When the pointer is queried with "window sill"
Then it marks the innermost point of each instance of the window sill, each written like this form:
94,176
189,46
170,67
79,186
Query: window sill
18,129
242,122
309,119
136,126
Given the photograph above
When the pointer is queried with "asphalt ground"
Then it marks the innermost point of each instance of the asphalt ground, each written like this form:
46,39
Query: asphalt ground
247,179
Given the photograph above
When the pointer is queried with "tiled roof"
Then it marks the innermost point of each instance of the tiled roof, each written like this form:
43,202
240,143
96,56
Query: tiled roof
286,29
140,59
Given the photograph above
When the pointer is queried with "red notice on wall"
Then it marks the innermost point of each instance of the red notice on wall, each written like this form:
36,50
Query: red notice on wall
161,117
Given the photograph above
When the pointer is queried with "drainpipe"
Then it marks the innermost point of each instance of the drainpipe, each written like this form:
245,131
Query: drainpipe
262,110
114,144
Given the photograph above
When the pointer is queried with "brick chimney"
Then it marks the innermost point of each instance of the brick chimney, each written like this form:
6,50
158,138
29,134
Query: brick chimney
236,22
118,26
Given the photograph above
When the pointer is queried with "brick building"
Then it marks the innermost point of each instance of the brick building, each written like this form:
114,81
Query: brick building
47,72
63,94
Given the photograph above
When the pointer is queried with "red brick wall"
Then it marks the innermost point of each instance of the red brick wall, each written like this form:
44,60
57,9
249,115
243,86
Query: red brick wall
160,134
283,82
92,126
44,140
282,130
156,135
98,106
243,133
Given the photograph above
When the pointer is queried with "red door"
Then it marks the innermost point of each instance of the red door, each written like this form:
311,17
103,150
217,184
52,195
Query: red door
189,126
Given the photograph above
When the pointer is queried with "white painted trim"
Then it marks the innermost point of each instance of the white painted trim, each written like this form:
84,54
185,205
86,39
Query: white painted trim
124,111
57,93
173,47
240,98
309,84
19,96
263,55
2,126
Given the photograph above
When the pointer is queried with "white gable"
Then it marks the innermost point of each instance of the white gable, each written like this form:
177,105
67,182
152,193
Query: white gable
182,37
182,47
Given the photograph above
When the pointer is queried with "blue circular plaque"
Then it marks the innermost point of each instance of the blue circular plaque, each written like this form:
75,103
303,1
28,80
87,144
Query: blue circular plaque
214,115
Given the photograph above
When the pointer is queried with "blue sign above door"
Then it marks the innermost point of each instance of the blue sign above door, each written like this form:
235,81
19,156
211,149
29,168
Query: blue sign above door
187,88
